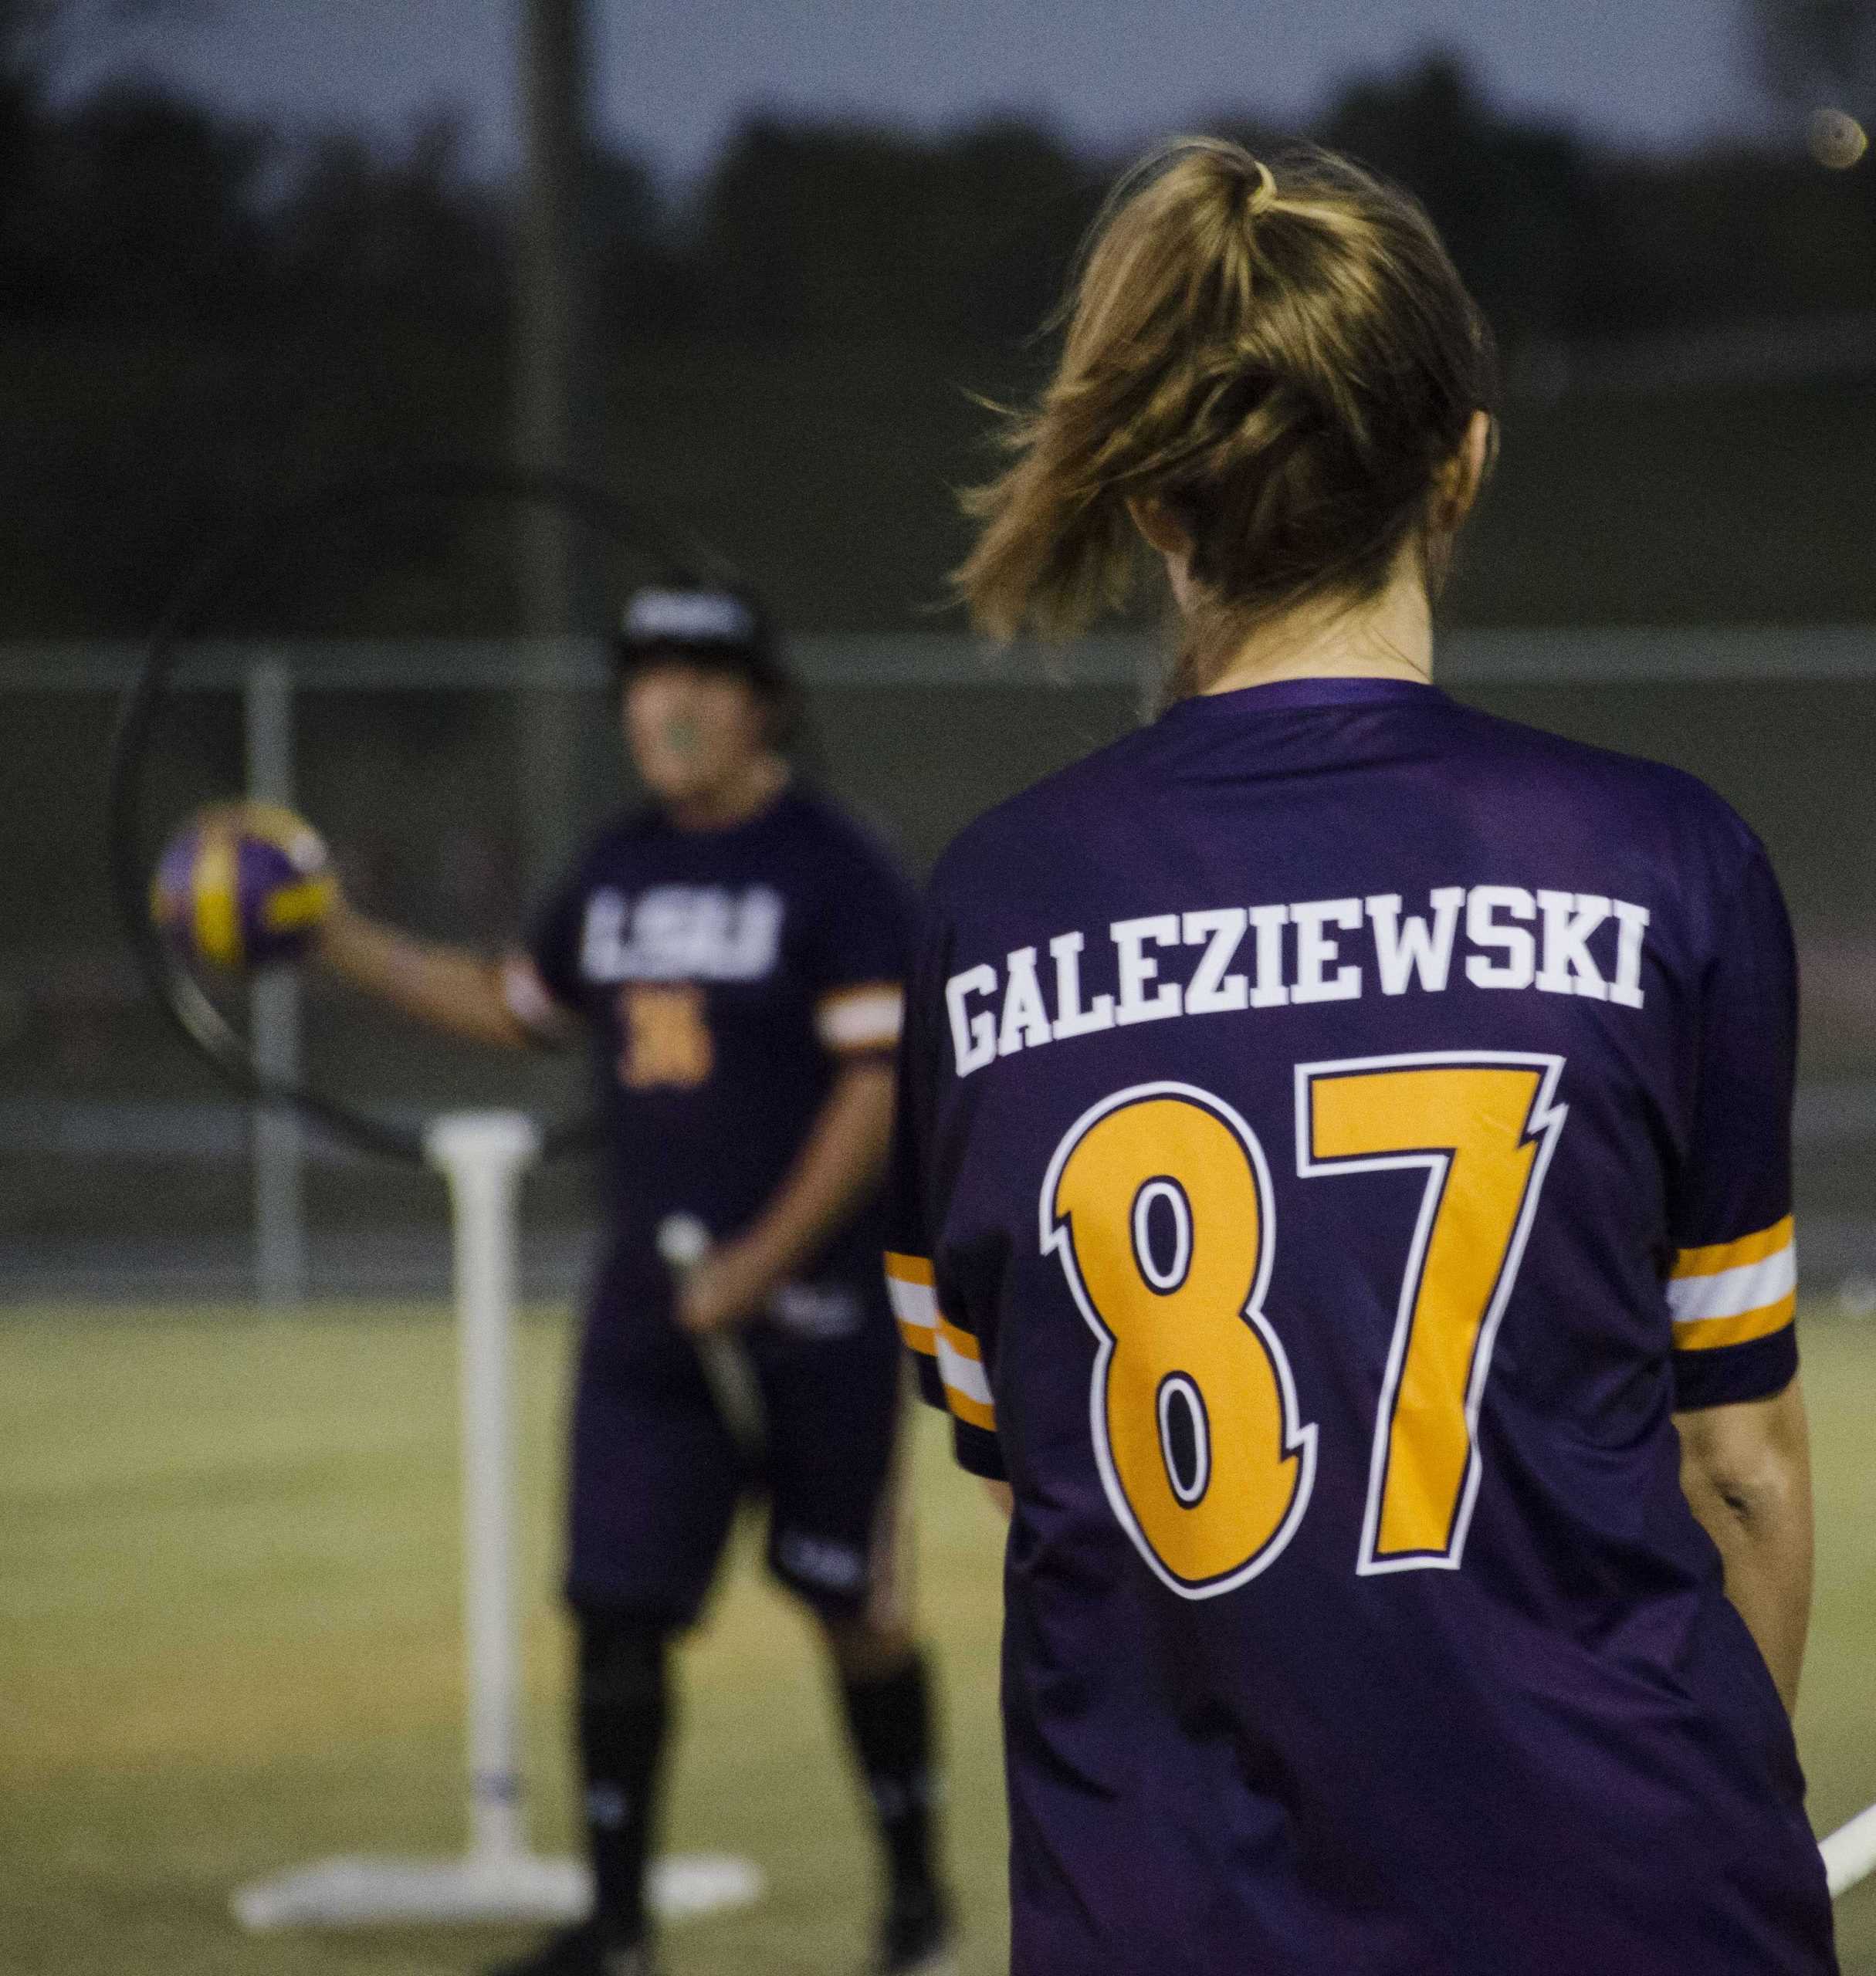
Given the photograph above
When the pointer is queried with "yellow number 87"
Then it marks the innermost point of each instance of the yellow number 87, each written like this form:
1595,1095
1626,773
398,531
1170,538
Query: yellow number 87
1158,1204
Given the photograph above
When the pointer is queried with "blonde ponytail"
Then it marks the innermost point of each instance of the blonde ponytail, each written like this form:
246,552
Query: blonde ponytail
1282,355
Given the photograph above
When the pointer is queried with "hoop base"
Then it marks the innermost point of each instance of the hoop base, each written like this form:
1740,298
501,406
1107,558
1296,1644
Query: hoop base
480,1887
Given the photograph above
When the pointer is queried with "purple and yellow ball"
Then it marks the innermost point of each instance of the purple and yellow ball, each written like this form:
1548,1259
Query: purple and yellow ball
243,885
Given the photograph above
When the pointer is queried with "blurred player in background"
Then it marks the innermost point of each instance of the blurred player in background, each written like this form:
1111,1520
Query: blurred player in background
1341,1135
735,952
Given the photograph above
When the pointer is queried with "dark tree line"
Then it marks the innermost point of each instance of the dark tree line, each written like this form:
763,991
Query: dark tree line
198,314
135,207
138,208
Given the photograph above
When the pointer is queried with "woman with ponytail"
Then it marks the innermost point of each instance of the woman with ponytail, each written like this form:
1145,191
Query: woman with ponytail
1343,1193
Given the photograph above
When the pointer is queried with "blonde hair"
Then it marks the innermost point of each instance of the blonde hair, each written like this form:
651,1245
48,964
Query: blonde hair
1281,355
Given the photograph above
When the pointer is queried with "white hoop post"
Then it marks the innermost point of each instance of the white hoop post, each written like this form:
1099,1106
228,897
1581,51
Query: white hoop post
1850,1853
483,1155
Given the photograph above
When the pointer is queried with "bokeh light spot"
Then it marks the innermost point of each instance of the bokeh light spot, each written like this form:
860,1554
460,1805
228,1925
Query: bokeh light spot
1838,140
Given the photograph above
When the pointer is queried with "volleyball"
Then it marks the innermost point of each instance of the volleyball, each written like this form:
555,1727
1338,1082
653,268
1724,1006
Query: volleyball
243,885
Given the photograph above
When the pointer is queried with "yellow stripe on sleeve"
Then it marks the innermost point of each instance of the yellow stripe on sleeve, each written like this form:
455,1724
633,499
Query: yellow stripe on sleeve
1731,1292
1706,1333
961,1343
911,1286
1710,1261
960,1364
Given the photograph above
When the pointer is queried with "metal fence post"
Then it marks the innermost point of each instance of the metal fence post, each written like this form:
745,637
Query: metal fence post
280,1271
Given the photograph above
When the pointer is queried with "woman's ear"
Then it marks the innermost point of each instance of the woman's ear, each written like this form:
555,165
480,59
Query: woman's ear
1167,537
1161,528
1464,475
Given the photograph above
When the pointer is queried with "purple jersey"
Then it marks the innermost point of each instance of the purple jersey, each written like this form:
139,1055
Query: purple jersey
724,975
1338,1129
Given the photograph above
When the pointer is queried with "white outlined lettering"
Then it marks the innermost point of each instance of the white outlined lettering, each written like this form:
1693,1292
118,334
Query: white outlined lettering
1136,970
1211,991
1025,1019
1559,942
1519,968
973,1038
1568,968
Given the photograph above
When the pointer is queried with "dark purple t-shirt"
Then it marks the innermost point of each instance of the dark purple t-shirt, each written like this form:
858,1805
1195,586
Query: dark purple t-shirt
723,975
1338,1129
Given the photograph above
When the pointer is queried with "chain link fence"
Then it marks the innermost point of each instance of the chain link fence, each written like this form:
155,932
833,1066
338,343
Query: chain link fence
126,1170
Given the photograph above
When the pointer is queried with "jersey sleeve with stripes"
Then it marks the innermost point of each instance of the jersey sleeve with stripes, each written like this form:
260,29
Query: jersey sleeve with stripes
1733,1286
945,1350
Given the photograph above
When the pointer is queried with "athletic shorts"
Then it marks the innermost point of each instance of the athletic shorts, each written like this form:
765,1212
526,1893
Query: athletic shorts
656,1478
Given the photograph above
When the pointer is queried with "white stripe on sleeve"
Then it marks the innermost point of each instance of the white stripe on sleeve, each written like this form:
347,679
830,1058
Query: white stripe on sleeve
526,995
914,1304
962,1375
868,1018
1731,1292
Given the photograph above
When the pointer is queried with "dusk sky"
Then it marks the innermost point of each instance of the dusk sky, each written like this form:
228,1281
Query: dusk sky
674,76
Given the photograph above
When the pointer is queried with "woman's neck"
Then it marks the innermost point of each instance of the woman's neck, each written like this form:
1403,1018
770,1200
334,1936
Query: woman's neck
1390,636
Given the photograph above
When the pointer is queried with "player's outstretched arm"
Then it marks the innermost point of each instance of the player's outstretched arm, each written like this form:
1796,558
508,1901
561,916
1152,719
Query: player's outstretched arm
462,994
1746,1470
842,1161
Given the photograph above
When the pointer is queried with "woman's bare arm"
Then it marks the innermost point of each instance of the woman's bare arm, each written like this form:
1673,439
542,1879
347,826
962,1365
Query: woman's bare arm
1746,1470
460,993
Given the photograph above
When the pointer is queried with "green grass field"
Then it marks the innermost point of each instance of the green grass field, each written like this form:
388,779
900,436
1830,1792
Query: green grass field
228,1645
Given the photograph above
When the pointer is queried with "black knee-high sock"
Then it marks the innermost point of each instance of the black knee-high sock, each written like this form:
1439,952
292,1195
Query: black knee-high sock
623,1719
890,1720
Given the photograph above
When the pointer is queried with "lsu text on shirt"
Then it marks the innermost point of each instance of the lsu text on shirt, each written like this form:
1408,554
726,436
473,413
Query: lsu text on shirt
1338,1130
724,975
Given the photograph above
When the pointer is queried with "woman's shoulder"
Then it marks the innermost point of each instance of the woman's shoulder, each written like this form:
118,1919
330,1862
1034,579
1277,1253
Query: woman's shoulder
1628,792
